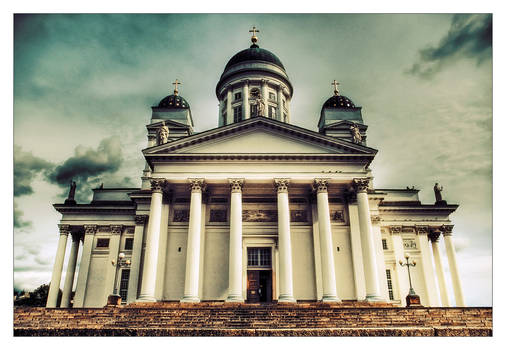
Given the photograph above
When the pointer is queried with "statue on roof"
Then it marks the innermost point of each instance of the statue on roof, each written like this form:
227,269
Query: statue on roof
72,192
356,137
437,192
163,134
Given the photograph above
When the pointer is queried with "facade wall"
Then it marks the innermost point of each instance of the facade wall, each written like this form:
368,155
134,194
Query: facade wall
216,264
176,263
304,281
95,288
343,263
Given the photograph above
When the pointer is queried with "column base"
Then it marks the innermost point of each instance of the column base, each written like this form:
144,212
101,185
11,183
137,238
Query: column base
190,299
331,299
234,299
146,299
286,299
373,298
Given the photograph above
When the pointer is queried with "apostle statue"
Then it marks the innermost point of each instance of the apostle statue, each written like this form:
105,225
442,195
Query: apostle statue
163,134
437,192
72,192
260,106
356,137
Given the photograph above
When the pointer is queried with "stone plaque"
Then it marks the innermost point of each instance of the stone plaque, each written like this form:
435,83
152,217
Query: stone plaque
298,216
409,244
181,215
337,215
259,215
217,215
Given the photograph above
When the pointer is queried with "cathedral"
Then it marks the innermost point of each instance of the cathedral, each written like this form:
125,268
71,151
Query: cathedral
255,210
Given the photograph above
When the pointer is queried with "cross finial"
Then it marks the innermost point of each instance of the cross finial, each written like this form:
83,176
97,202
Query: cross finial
335,83
176,83
254,38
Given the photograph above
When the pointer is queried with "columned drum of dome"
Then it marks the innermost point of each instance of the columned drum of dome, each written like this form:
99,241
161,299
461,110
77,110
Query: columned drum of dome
254,83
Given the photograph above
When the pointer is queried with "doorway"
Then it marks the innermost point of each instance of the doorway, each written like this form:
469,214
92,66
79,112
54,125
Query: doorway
259,286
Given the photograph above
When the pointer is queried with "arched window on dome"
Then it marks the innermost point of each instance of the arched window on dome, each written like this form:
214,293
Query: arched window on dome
237,114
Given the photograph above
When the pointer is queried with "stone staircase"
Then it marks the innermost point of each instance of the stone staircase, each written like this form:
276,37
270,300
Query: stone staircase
230,319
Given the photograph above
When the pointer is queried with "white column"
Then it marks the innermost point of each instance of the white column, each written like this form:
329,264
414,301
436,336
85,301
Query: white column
191,282
316,249
356,252
400,275
265,96
245,100
284,243
54,287
235,249
112,269
443,290
452,262
133,281
148,283
71,269
367,241
84,266
279,111
326,246
426,266
230,115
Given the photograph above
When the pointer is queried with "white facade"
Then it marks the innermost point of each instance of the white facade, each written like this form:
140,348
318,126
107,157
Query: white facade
255,210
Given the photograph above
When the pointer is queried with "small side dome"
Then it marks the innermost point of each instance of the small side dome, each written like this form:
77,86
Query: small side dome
173,101
339,101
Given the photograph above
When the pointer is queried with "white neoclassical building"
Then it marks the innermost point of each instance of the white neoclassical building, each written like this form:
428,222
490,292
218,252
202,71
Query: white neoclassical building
255,210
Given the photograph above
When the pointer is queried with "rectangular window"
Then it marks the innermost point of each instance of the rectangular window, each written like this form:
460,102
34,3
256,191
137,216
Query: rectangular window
390,286
237,96
123,284
253,110
237,114
272,96
384,243
129,243
272,112
259,257
102,242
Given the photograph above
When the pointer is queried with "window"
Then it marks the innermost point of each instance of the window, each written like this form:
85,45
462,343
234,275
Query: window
384,243
259,257
123,284
129,243
102,242
237,96
272,112
253,110
272,96
389,284
237,114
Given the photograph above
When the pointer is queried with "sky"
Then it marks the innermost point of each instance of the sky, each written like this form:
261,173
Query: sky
84,85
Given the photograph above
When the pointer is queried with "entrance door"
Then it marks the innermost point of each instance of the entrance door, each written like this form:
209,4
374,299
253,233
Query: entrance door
259,286
253,286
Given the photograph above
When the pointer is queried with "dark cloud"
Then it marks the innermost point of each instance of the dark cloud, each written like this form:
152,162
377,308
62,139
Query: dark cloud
88,166
470,36
26,168
19,223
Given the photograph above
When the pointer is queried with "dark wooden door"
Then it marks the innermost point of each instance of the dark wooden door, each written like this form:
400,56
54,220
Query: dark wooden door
253,286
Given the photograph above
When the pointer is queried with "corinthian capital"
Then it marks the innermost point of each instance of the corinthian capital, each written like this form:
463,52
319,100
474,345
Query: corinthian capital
197,185
281,185
140,219
64,229
236,185
434,235
157,184
447,230
361,184
421,230
90,229
320,185
395,229
116,229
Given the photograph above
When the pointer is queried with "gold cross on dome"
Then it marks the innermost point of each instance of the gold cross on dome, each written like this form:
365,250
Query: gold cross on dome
253,30
335,83
176,83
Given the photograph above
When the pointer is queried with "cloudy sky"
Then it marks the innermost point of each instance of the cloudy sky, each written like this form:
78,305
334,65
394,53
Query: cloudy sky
84,84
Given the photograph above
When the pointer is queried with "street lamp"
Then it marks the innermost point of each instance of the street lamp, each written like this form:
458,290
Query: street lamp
115,298
411,298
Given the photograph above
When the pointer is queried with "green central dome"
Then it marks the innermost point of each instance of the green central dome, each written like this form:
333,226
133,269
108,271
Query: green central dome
254,53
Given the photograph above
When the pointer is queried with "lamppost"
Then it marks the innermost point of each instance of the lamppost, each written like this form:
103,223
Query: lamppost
411,298
115,298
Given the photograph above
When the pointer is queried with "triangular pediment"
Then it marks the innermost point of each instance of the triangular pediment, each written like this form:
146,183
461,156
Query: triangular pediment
259,136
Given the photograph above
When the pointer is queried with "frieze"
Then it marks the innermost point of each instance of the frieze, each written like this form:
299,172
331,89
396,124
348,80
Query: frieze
409,244
217,215
259,215
337,215
104,228
181,215
298,216
407,229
